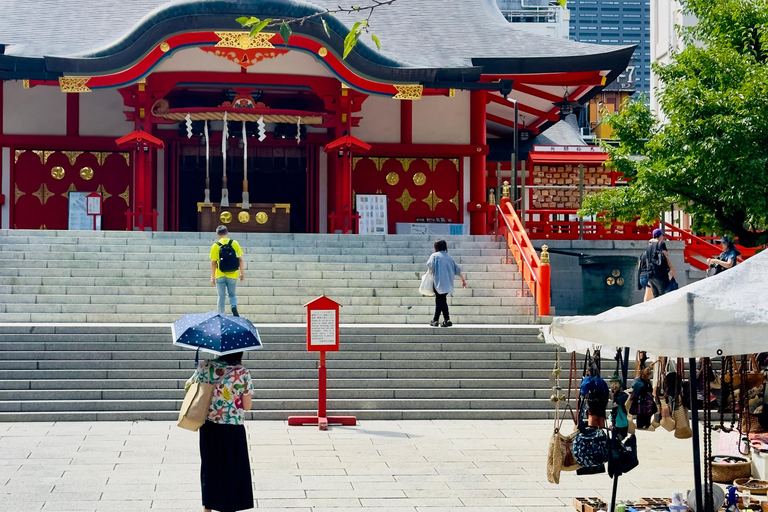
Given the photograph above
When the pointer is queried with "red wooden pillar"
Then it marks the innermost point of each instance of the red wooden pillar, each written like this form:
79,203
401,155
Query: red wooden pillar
406,121
476,205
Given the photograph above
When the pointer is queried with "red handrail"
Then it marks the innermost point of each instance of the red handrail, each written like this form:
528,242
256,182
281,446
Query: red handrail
535,271
698,249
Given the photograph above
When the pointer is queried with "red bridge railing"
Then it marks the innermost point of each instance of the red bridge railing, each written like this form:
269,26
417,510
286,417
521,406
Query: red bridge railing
535,270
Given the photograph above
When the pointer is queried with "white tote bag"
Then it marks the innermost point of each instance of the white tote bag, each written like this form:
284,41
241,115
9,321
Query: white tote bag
427,286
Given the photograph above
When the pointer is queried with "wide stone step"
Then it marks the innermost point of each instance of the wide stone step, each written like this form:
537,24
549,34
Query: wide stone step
394,414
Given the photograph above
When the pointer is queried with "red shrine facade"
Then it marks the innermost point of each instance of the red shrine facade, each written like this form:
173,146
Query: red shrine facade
205,127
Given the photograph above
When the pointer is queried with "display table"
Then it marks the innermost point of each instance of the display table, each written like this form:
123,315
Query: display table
428,228
259,218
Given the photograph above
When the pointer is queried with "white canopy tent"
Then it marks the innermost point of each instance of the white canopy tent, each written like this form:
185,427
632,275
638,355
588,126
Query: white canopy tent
726,314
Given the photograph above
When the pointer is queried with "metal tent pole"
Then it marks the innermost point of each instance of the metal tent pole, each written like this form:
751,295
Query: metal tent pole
694,406
624,371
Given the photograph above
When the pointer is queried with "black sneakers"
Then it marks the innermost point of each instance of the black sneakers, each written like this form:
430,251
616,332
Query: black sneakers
234,311
447,323
434,323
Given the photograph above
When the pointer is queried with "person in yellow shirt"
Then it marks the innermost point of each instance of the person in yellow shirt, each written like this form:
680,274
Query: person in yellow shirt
226,267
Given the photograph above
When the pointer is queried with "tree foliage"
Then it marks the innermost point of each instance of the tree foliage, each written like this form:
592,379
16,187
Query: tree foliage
710,155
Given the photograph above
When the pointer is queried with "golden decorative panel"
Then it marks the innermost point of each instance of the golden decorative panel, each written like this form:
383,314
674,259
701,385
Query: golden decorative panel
406,162
104,194
405,200
408,92
43,194
72,155
17,193
242,41
244,217
455,201
57,172
225,217
127,157
455,162
164,46
72,188
74,83
355,161
86,173
432,163
262,217
126,196
419,179
323,51
25,83
432,200
393,178
43,155
284,206
18,154
100,156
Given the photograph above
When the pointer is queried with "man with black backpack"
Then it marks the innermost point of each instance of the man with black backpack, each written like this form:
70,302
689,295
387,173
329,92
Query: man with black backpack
656,265
226,267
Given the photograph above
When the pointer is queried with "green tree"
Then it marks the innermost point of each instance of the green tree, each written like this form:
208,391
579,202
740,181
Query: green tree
710,155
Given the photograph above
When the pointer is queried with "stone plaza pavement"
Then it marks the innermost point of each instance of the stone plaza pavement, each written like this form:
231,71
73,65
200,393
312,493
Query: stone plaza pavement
377,466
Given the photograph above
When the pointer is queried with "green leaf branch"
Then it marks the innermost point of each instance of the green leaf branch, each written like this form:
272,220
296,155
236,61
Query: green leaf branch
257,25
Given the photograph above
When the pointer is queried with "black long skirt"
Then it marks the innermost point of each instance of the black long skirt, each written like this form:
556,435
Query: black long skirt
225,471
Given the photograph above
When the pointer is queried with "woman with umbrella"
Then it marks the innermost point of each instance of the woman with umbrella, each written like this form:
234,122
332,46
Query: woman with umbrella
225,473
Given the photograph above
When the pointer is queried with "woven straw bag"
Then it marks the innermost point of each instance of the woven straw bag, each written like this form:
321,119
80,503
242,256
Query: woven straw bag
667,421
682,424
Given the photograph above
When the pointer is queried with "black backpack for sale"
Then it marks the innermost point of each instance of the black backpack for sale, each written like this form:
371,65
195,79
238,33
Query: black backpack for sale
228,260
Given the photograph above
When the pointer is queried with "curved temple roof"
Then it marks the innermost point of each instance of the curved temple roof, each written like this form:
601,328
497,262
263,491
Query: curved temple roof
423,40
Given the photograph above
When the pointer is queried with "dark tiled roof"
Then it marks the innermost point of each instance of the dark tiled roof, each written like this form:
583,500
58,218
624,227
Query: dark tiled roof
422,40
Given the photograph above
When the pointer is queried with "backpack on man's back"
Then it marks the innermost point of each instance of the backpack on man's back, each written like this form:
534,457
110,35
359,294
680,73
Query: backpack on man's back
657,265
228,260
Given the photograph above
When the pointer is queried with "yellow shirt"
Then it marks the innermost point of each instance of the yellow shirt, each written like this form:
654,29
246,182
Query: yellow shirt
215,257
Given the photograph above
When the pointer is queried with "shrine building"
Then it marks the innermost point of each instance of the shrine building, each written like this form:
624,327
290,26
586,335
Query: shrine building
180,121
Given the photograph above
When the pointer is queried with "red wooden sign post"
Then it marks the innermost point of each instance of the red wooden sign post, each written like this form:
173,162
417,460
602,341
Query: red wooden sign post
322,335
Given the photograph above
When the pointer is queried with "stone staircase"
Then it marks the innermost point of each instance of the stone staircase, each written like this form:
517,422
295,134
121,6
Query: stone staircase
85,334
95,372
140,277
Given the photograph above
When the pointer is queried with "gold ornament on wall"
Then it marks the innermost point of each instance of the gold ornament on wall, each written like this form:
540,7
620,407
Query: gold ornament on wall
86,173
72,156
164,46
393,178
43,194
408,92
225,217
104,194
126,196
323,51
261,217
101,156
244,217
405,200
455,201
242,41
432,200
355,161
18,154
419,179
72,188
17,193
127,157
74,83
58,172
455,162
406,162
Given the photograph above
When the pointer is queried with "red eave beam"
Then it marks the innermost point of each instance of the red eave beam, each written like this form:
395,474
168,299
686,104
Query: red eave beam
591,78
506,122
495,98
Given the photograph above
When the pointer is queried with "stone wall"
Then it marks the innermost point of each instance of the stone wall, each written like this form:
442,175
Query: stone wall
567,292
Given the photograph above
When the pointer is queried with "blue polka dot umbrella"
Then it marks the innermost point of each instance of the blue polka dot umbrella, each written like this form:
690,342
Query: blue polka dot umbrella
215,333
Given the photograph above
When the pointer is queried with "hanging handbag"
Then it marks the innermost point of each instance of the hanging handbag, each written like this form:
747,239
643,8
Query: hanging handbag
682,423
591,447
560,455
667,421
623,458
427,286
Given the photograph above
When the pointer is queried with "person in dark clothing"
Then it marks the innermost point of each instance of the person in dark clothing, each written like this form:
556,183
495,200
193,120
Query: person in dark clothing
727,258
659,264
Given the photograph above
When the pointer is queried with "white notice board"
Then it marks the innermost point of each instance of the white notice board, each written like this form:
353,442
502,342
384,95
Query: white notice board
322,327
372,209
78,215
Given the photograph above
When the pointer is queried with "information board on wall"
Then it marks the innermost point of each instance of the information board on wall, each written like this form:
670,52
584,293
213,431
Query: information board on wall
372,209
78,213
322,327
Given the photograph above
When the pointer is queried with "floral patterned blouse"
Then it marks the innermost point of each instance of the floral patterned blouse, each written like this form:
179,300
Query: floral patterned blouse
227,402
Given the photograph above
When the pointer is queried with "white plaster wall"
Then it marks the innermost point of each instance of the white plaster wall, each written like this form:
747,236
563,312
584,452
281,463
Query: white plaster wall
40,110
294,62
380,120
666,17
5,187
441,120
101,114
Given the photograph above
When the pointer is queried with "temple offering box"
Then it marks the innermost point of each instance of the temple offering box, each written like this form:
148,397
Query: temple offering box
259,218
